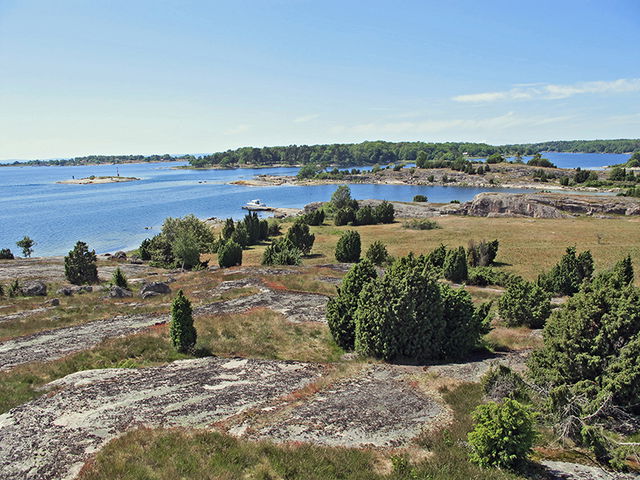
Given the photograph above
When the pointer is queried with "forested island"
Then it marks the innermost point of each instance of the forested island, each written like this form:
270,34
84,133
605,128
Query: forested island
365,153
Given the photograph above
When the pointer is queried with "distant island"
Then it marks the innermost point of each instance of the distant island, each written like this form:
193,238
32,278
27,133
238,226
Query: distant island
349,154
94,180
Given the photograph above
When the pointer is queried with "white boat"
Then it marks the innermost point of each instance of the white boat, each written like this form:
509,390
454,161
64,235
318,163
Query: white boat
256,205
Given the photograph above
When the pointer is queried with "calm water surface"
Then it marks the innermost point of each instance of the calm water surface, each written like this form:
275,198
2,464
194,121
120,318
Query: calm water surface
112,217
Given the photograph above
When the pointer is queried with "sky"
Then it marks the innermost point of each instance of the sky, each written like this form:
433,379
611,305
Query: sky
143,77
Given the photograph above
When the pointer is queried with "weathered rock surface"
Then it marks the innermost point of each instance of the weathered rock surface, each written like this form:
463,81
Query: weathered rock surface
33,289
120,255
53,344
574,471
51,437
547,205
375,408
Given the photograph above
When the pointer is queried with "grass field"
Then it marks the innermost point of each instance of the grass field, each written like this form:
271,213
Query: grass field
527,246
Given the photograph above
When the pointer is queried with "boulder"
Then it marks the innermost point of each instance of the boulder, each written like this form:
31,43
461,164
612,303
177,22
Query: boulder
120,255
119,292
33,289
146,295
66,291
54,302
159,288
135,260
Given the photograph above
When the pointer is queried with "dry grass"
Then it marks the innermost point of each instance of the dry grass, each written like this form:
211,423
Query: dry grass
262,333
518,338
305,282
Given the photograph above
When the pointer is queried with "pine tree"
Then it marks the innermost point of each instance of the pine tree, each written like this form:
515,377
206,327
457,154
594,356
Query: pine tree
119,279
80,265
183,334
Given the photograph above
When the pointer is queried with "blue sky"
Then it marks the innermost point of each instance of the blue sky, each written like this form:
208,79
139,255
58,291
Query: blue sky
113,77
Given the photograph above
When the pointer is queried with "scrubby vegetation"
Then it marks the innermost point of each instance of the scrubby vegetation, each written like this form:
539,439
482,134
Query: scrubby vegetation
80,265
348,247
183,334
282,252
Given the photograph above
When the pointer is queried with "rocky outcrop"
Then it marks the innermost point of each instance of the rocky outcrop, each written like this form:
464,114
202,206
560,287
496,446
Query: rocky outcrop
154,288
119,255
547,205
33,289
119,292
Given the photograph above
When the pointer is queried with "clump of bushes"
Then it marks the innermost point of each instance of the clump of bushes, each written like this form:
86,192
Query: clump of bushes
483,276
377,253
503,434
524,303
420,224
314,218
80,265
420,198
347,211
282,252
229,254
408,314
348,247
483,253
181,329
5,254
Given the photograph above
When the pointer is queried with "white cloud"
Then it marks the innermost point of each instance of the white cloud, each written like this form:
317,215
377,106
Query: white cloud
552,92
306,118
237,129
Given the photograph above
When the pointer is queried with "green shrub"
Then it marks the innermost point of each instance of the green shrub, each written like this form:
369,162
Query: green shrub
228,228
14,289
420,224
377,253
229,254
348,247
185,250
252,224
344,216
192,226
437,256
264,229
483,276
341,308
314,218
1,291
501,382
144,249
5,254
341,198
274,228
298,234
455,265
524,303
420,198
119,279
282,252
408,314
495,158
80,265
384,212
503,434
240,235
365,216
567,276
483,253
183,334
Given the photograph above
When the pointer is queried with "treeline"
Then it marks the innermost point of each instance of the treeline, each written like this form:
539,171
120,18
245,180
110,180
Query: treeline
380,152
98,159
577,146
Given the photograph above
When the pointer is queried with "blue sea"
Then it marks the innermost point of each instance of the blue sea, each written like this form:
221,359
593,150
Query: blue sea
112,216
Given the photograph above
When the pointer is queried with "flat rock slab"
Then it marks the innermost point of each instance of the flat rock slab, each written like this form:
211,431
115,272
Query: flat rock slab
297,307
473,369
54,344
375,408
51,437
574,471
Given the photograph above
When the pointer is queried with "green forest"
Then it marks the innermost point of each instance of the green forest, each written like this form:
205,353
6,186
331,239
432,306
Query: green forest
365,153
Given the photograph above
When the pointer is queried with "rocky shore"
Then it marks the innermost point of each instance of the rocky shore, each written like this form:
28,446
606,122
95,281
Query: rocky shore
95,180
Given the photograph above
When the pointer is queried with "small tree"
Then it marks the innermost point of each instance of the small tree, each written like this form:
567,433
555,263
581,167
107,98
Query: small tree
483,253
229,254
228,228
341,198
298,234
365,216
455,265
524,303
344,216
348,247
384,212
240,235
377,253
341,308
26,244
80,265
183,334
119,279
185,250
503,434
